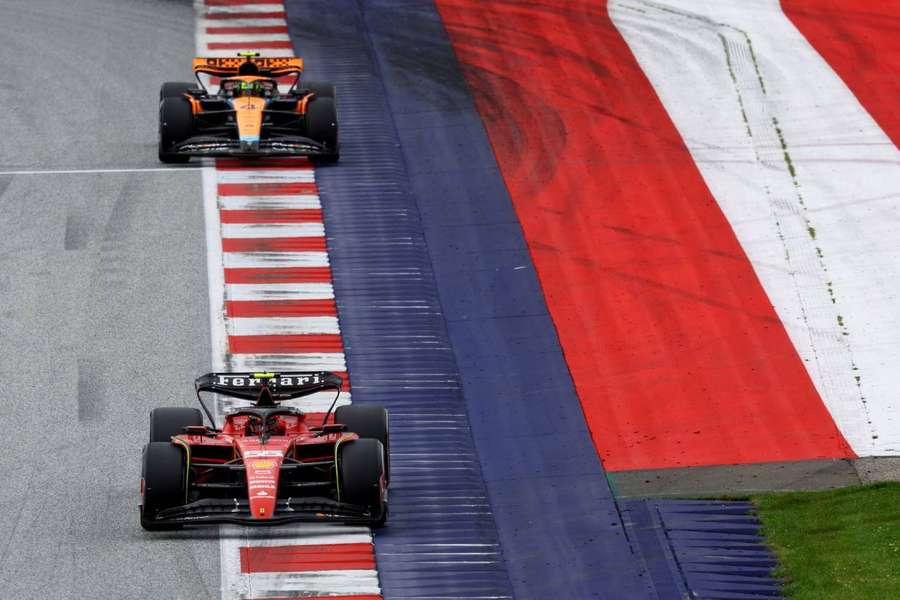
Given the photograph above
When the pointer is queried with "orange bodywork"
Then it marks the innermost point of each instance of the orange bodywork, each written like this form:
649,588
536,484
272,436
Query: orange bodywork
249,114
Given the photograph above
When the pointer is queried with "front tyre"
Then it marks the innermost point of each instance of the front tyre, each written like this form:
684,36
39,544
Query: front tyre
176,124
361,477
163,481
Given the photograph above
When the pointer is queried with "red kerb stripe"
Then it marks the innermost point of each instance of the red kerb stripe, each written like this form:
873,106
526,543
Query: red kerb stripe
267,189
284,344
278,275
245,15
312,557
299,215
352,597
249,29
281,308
250,44
239,2
287,244
240,164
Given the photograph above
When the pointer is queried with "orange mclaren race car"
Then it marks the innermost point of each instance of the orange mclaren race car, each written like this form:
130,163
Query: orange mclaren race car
267,463
248,116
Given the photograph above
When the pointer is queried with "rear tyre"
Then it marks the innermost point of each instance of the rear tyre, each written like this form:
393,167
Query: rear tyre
319,88
169,421
361,473
368,421
175,89
321,126
176,124
163,482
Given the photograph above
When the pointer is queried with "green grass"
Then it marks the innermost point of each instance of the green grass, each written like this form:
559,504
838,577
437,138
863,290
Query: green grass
837,544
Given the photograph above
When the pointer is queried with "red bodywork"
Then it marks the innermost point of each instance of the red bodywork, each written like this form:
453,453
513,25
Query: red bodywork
303,440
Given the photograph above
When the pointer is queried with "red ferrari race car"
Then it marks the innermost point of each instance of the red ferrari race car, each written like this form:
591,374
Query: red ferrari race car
269,463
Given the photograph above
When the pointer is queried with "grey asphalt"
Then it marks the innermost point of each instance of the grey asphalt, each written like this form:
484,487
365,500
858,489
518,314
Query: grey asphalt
103,298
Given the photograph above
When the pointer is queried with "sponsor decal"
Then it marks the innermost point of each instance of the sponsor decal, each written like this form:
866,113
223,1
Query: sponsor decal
262,453
257,379
263,464
262,493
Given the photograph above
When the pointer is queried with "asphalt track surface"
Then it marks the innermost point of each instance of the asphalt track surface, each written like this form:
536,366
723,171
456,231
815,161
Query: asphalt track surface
104,298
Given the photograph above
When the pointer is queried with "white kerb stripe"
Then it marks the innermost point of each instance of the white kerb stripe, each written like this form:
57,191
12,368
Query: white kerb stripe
265,176
248,22
272,230
279,291
319,583
275,259
320,361
281,325
244,8
250,38
269,202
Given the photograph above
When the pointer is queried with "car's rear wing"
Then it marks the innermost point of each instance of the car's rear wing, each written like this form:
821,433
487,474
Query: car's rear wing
280,386
269,66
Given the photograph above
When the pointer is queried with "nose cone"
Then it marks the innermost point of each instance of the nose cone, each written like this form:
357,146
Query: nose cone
250,145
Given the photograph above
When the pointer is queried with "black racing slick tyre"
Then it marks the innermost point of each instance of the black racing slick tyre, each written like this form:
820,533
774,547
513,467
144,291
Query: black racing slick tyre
175,89
169,421
176,124
360,473
321,126
368,421
163,481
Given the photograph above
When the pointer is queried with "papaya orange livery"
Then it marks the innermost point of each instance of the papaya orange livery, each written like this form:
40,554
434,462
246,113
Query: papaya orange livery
236,108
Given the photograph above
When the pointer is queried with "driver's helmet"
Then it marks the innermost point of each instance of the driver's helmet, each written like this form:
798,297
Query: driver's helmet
273,425
249,88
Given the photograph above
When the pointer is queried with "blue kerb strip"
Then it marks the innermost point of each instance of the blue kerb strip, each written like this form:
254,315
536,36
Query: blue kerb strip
713,549
441,540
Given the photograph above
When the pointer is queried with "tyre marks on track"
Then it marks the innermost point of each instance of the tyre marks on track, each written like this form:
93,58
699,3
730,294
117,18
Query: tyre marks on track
273,308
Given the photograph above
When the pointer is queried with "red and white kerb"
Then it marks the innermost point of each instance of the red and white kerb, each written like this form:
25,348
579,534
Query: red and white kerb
272,308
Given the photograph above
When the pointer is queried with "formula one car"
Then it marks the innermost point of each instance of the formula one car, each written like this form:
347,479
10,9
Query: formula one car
248,116
269,463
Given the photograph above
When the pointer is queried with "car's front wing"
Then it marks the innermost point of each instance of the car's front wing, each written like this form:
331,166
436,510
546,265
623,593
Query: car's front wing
274,146
291,510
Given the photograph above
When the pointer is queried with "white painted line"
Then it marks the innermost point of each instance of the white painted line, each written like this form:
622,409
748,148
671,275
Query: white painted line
806,179
279,291
265,175
281,325
322,361
272,230
269,202
95,171
275,259
215,271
